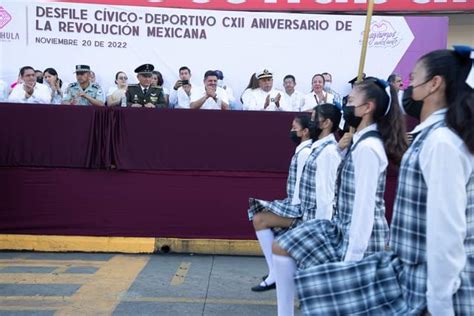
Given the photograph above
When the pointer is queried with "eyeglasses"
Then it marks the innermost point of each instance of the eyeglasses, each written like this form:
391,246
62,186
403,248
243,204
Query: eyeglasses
123,78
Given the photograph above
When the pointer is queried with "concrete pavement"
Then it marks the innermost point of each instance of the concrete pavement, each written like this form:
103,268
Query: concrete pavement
116,284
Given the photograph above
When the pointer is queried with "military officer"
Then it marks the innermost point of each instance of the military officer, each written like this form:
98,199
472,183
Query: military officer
144,94
83,91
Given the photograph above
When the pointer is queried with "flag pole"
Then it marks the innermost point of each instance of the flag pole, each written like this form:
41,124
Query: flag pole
365,40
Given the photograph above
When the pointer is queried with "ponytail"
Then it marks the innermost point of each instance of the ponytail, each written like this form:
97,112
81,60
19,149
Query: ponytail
454,67
389,118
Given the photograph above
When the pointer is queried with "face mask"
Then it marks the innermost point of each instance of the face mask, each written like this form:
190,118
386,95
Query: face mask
327,86
348,113
411,107
220,83
294,137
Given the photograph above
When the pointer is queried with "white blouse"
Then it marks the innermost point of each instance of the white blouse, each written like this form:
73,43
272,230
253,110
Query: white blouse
303,153
370,162
311,100
446,165
326,173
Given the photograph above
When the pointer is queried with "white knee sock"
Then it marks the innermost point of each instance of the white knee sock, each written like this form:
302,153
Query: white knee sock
265,238
284,270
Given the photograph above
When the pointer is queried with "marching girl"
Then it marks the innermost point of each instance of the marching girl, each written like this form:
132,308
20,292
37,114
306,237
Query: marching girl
268,214
358,226
430,268
270,217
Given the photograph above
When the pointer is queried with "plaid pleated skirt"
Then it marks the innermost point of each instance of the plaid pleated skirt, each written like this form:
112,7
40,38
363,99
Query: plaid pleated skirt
282,208
314,242
379,284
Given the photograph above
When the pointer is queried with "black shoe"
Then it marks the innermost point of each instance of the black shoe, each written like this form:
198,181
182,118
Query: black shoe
266,287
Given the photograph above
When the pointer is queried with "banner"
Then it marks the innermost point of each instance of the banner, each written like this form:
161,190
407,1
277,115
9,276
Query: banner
120,38
300,5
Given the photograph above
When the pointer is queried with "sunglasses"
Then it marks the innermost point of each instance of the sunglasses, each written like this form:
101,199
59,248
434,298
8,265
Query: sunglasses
122,78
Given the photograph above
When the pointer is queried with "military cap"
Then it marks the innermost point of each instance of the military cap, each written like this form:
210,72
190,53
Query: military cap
145,69
83,68
264,74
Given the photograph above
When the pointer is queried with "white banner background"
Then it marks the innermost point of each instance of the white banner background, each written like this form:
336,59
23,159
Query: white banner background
238,52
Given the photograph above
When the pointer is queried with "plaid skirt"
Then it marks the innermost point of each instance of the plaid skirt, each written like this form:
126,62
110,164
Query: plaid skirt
367,287
377,285
282,208
314,242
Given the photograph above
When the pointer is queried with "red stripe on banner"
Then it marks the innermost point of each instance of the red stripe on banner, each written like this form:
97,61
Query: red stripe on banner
295,5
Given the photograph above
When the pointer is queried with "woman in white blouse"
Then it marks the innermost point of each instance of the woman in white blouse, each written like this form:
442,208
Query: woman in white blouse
317,95
116,95
51,79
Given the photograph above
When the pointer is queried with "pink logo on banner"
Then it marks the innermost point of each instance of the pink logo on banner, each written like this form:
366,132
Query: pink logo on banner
383,34
5,17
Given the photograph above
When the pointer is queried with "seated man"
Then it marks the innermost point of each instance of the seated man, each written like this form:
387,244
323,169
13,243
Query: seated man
179,98
209,97
84,92
144,94
265,98
29,90
292,97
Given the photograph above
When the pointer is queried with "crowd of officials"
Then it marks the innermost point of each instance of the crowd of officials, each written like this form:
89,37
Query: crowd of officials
35,86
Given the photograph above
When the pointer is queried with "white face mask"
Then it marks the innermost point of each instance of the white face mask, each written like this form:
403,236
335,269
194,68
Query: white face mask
327,86
220,83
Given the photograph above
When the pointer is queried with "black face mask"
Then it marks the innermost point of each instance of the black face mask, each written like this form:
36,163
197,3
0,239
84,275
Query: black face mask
411,107
317,129
348,112
294,137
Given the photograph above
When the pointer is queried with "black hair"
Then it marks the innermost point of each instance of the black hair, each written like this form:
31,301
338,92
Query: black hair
53,72
185,68
391,125
118,74
329,111
290,77
454,68
305,121
253,82
160,77
209,73
25,68
326,74
392,77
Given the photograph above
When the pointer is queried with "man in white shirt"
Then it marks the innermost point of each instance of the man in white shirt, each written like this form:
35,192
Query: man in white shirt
30,91
293,98
182,83
210,96
266,98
